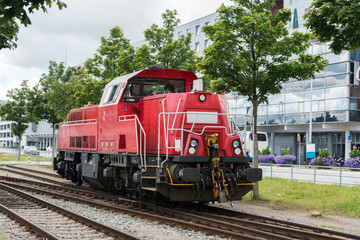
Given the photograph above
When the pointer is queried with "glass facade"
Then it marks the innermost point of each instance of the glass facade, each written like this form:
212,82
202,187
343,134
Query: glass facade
328,97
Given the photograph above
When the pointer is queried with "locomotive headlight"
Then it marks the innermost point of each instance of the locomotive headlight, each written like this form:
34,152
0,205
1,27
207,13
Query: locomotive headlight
236,143
192,150
193,143
202,97
236,147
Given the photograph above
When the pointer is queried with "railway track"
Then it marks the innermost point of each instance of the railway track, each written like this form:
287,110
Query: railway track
211,220
50,221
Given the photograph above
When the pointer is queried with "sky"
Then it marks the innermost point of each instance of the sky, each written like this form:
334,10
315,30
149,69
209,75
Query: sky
73,33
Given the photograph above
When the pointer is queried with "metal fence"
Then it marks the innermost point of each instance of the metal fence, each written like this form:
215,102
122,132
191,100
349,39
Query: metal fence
315,174
11,154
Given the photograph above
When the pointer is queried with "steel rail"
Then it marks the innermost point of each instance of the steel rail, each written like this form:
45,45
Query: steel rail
265,230
38,230
242,215
267,222
55,175
209,228
84,220
287,231
37,177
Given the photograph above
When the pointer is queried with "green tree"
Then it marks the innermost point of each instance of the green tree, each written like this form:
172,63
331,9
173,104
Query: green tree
168,52
63,89
252,54
16,110
74,83
143,58
8,34
335,21
114,57
13,10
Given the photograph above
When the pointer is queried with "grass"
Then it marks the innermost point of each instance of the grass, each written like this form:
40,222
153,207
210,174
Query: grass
50,167
23,157
308,197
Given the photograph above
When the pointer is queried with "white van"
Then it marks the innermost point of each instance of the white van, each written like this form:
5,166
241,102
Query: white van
30,150
247,142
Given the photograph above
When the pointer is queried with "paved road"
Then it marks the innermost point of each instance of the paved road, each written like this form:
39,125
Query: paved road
339,176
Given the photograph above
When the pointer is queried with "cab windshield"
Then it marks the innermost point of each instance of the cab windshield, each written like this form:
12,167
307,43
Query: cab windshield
141,87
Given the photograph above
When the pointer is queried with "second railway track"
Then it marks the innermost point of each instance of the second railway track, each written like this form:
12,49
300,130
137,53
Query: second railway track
231,226
50,221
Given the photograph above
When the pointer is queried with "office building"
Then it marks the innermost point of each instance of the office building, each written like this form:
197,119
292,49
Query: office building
39,135
331,100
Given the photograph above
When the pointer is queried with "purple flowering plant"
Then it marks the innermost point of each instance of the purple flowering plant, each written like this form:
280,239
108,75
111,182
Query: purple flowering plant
323,159
266,156
352,162
283,159
270,158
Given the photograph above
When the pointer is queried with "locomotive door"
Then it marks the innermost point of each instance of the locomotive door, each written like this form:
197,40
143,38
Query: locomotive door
152,109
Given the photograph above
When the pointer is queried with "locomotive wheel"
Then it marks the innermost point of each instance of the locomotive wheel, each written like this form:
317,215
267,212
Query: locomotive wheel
80,179
233,185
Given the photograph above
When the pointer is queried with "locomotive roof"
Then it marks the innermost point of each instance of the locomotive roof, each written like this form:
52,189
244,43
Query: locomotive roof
153,73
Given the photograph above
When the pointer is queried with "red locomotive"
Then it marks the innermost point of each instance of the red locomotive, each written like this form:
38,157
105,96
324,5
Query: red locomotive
152,134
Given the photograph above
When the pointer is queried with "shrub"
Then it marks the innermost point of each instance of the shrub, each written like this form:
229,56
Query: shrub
266,151
355,152
322,161
284,151
286,158
323,158
352,162
270,158
323,153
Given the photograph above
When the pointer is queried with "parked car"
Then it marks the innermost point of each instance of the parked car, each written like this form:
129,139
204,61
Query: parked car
31,150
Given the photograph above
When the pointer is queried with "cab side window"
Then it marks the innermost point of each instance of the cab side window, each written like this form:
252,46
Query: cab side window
111,94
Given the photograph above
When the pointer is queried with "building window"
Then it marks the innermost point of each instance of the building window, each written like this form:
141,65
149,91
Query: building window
188,30
207,23
197,30
33,127
197,47
206,42
179,34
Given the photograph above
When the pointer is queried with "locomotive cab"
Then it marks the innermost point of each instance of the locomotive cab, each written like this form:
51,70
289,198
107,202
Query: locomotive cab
152,135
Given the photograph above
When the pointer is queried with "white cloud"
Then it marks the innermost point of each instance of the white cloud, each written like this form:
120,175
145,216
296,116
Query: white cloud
79,27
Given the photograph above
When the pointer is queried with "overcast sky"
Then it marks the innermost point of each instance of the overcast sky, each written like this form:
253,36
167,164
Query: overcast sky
78,28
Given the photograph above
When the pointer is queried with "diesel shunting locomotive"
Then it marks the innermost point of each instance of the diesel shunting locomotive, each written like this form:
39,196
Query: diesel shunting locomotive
156,133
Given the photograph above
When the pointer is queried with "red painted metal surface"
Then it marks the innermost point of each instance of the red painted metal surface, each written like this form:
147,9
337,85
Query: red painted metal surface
115,127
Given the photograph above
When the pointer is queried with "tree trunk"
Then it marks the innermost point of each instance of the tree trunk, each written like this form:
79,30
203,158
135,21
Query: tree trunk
255,161
19,148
